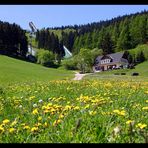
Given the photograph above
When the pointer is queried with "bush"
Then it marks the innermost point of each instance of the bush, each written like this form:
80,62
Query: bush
45,58
123,73
135,74
70,64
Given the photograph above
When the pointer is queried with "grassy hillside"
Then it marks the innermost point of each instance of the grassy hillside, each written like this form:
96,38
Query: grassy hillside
141,68
58,32
138,49
13,70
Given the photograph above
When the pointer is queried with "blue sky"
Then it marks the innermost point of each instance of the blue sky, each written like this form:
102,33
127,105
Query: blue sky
58,15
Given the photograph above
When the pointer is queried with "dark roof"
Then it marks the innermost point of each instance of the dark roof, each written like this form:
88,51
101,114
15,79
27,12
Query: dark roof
115,56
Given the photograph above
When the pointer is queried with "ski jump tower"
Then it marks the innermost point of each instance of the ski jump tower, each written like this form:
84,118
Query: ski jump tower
32,34
68,54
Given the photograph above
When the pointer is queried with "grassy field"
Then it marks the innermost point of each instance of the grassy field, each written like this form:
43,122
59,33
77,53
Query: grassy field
45,107
13,70
66,111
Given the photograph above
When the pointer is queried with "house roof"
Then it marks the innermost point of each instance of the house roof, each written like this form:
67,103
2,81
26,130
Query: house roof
116,57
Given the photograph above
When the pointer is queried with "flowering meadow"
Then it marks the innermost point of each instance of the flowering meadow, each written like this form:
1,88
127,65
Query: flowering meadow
67,111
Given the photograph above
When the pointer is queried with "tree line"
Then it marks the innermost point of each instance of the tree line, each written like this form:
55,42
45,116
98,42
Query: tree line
50,41
13,41
120,33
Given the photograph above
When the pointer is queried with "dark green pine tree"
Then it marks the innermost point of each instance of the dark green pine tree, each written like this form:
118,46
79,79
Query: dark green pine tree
142,57
138,30
46,43
130,59
147,30
124,40
95,36
100,37
88,41
106,44
82,41
115,34
41,41
71,37
53,42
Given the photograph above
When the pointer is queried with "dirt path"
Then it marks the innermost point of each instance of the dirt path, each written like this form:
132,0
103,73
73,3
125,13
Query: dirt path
78,76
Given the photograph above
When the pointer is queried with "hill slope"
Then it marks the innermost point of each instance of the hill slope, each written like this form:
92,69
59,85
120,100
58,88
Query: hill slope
142,69
13,70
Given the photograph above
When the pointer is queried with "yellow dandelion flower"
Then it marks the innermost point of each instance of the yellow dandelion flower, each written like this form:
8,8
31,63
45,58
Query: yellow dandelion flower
1,130
11,130
38,124
76,108
116,111
44,107
61,116
13,123
146,101
26,127
129,121
46,111
39,118
141,126
56,122
45,124
34,129
6,121
122,113
77,99
49,117
49,104
145,108
32,97
23,124
146,92
103,113
87,106
35,111
92,113
136,105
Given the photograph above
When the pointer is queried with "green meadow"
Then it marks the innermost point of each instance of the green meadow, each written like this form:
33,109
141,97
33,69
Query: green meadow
43,105
14,70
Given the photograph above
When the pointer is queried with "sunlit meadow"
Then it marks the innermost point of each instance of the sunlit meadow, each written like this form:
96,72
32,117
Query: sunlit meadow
64,111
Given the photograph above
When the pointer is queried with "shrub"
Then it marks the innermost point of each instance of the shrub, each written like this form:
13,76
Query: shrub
45,58
70,64
135,74
123,73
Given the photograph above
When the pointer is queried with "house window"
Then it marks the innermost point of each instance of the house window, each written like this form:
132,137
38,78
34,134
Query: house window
108,60
105,61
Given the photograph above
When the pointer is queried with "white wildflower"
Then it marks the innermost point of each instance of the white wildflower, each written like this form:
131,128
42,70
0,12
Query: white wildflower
116,130
20,106
40,101
34,105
